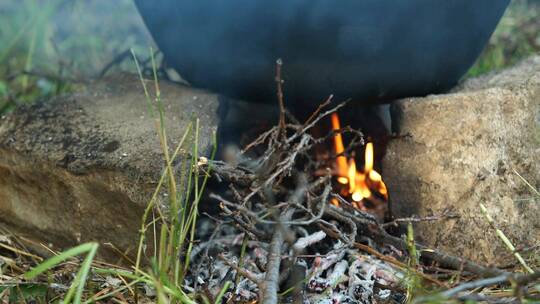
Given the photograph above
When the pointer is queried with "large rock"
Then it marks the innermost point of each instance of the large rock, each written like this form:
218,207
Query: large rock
463,149
83,166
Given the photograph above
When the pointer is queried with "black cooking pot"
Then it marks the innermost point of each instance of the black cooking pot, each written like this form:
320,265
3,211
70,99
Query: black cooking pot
367,50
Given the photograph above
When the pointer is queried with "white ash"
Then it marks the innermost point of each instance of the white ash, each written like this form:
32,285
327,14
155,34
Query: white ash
111,282
338,274
384,273
303,242
322,263
361,287
261,258
149,291
246,291
384,294
350,277
318,284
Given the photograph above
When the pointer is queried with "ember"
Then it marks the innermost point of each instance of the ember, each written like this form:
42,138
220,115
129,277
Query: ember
364,188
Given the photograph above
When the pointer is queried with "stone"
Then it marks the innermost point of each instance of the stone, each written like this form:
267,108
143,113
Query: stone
83,166
456,151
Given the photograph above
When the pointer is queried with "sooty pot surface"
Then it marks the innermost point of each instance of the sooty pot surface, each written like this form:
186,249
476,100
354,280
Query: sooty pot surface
367,50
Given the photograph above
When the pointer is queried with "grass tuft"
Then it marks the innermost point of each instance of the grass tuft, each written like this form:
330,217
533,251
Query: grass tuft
75,292
412,282
177,225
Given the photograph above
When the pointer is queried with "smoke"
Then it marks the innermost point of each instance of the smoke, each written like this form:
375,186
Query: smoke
78,36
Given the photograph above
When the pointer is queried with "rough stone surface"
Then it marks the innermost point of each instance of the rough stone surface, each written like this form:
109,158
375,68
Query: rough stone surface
83,166
458,150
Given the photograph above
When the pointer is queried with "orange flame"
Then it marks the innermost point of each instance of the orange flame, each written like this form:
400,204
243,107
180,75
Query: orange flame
338,145
361,185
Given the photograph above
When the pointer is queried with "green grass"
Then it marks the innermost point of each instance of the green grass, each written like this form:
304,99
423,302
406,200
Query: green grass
177,229
75,292
24,44
48,46
516,37
412,281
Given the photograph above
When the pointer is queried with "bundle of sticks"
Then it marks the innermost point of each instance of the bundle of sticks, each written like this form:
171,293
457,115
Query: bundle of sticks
279,239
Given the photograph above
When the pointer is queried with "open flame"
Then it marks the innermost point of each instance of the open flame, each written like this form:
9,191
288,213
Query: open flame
361,186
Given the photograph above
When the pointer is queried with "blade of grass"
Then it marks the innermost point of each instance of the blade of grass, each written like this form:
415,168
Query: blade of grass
81,277
533,189
192,218
141,78
241,259
412,281
505,239
222,292
55,260
77,286
153,199
166,172
195,209
29,58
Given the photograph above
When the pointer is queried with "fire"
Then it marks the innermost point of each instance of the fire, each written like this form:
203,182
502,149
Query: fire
338,146
359,185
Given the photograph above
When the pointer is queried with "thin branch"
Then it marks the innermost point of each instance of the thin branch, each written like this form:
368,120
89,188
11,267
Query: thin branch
279,82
